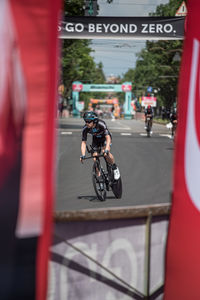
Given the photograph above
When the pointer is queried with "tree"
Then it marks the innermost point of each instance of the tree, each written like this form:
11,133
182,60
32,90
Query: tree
169,9
74,8
77,64
156,65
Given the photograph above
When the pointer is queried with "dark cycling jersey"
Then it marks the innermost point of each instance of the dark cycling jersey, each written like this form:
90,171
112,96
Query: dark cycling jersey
173,117
98,133
148,112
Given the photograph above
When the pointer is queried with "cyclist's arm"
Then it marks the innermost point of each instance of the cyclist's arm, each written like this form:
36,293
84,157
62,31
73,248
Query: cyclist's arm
83,143
108,142
83,148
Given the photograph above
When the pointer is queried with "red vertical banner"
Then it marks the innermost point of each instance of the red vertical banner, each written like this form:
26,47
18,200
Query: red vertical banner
28,56
183,246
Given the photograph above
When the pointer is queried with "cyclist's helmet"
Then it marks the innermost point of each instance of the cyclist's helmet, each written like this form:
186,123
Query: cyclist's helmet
149,107
90,116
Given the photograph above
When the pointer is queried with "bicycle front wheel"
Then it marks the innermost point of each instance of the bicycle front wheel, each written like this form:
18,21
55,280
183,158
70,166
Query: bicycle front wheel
148,129
99,182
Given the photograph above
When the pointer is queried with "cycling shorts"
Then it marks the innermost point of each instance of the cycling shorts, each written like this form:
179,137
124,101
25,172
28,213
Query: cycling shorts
98,143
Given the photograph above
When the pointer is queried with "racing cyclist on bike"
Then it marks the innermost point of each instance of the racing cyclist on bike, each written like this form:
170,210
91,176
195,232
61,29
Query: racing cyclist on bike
101,137
173,120
148,113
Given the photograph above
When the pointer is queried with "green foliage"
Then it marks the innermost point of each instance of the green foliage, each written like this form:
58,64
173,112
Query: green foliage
74,7
169,9
156,65
129,75
77,64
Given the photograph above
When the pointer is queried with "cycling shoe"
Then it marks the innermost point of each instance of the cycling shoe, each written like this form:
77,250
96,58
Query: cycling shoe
116,172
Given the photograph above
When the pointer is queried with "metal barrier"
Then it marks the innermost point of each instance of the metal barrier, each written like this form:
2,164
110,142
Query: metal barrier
103,221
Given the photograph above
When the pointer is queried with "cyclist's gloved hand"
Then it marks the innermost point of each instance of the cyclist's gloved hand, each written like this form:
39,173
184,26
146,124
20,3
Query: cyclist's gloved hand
106,152
82,157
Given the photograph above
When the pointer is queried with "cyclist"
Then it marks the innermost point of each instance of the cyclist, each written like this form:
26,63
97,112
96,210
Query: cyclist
101,137
148,113
173,120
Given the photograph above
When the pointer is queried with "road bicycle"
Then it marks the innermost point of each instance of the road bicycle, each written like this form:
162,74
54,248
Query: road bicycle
174,125
105,182
148,127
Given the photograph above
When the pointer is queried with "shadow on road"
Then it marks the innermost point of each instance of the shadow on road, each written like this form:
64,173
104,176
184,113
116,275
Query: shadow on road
89,198
94,198
170,148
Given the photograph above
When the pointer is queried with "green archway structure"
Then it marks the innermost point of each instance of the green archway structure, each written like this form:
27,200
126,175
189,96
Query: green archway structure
125,87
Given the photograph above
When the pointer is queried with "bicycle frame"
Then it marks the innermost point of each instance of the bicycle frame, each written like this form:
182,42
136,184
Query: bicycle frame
97,160
148,126
107,178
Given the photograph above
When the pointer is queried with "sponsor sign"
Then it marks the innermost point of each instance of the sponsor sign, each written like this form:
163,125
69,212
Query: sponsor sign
122,27
149,101
27,144
102,87
183,247
117,245
126,87
108,101
77,87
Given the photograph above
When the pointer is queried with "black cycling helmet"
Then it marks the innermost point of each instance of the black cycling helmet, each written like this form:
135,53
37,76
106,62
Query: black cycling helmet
90,116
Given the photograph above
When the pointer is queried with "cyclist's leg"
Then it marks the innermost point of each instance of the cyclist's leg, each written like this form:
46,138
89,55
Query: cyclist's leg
145,122
97,170
111,160
96,148
151,122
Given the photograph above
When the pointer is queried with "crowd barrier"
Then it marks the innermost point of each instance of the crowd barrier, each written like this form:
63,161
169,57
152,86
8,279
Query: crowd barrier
109,254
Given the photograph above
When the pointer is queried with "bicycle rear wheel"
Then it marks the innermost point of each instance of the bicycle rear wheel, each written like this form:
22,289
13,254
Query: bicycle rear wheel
117,188
99,182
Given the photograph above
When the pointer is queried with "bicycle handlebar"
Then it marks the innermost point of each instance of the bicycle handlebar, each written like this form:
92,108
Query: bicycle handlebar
95,156
91,150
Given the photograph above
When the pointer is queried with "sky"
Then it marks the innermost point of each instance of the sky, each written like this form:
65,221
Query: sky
118,56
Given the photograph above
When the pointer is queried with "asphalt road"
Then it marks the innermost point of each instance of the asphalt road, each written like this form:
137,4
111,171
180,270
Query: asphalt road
145,165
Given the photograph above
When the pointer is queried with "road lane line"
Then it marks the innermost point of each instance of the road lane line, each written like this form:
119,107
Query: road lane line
143,134
126,133
119,128
166,135
66,132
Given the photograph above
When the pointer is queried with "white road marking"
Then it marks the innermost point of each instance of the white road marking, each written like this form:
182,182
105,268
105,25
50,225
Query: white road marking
119,128
66,132
167,135
126,133
143,134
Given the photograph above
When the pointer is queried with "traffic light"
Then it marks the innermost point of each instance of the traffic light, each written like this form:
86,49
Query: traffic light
90,8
